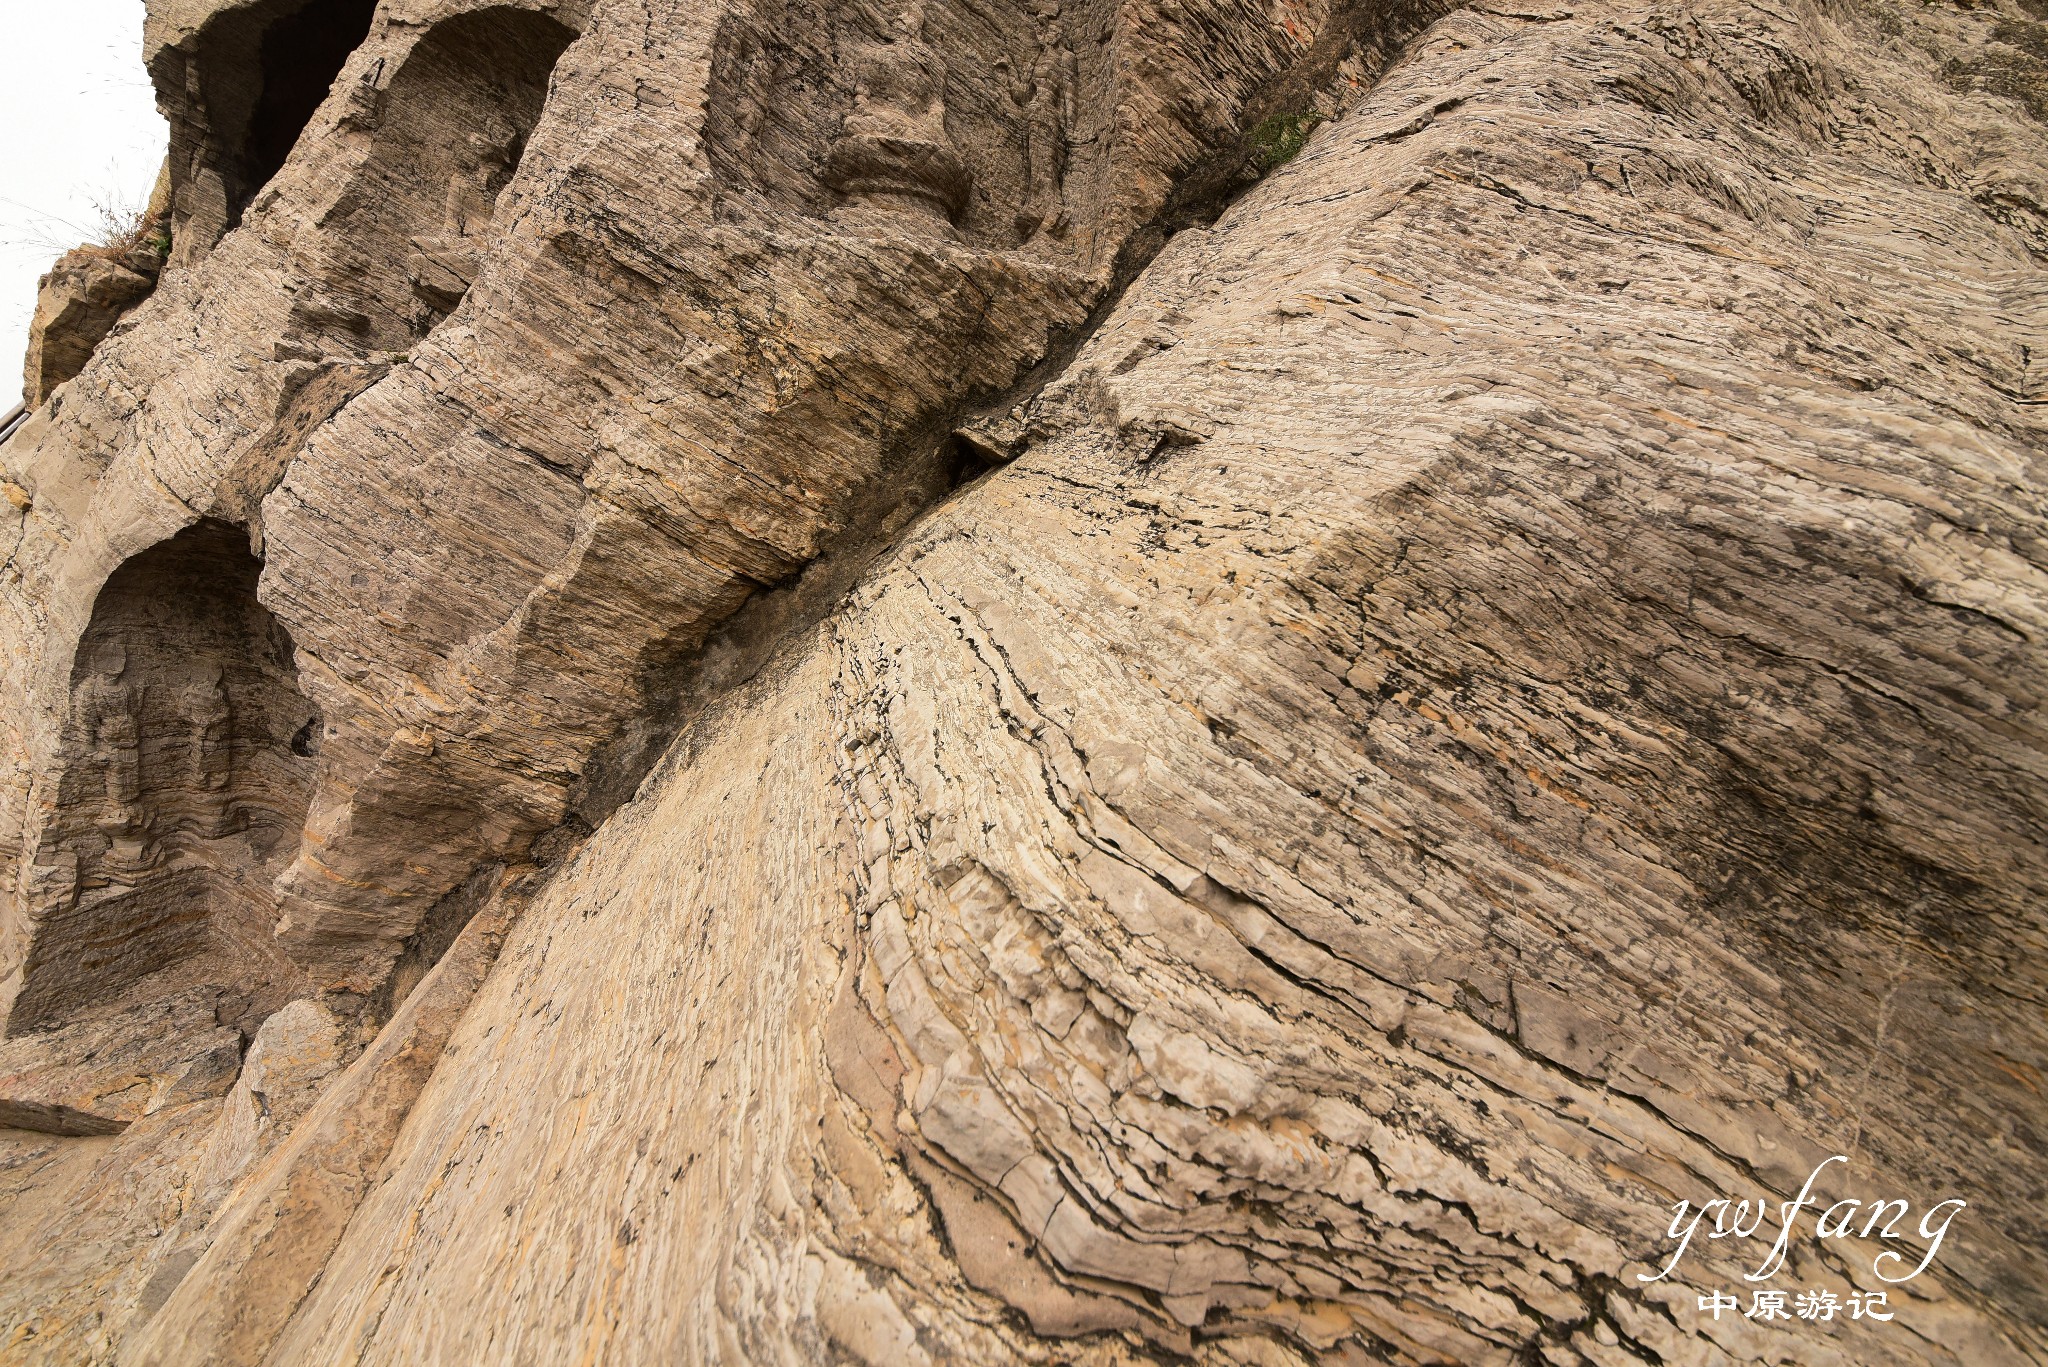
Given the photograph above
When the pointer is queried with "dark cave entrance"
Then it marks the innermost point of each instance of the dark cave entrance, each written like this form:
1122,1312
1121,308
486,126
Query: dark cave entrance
238,95
187,771
302,52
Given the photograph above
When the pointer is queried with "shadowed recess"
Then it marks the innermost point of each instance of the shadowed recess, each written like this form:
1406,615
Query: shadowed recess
187,777
238,94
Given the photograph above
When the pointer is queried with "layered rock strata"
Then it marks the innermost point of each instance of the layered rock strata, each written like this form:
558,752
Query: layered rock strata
671,286
1490,688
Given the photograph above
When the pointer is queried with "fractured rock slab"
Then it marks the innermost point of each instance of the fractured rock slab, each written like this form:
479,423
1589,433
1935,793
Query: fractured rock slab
77,305
100,1075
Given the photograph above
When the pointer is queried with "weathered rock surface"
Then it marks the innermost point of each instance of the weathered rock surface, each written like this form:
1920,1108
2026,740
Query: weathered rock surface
730,324
90,290
267,1247
82,1220
1496,689
77,305
97,1076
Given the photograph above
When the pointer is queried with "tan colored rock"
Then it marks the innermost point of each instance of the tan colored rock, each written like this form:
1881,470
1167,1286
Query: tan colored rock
292,1056
1318,881
80,1219
77,305
654,356
1266,773
295,1053
267,1246
101,1074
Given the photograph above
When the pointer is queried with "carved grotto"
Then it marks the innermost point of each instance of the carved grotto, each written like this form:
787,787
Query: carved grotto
1040,681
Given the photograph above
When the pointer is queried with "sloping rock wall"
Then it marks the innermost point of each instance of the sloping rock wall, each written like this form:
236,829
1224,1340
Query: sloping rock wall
77,305
1495,688
524,577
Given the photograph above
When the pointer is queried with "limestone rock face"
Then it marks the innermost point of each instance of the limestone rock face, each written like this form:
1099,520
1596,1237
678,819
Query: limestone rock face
563,381
822,686
77,305
99,1075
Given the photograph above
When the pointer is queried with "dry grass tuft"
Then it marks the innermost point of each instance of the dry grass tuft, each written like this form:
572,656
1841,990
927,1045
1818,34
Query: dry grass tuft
122,230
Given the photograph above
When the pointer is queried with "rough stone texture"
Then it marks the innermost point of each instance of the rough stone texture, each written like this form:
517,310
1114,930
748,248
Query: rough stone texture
97,1076
267,1247
710,335
77,304
294,1054
80,1220
190,749
1496,690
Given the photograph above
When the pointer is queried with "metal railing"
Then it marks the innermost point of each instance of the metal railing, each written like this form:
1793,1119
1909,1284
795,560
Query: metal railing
16,416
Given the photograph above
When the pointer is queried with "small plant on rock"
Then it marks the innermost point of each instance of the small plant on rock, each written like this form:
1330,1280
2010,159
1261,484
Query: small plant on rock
1276,139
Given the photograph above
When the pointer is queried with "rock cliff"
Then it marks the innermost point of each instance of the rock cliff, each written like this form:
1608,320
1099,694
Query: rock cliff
1086,681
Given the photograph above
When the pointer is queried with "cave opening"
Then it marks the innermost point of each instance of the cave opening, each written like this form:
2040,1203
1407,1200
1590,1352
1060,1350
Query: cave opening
453,129
301,53
237,97
188,765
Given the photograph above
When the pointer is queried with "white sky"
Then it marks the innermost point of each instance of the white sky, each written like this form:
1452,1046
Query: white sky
78,127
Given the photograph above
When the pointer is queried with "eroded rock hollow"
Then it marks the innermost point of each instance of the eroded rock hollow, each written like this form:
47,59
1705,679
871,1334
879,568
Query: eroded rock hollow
185,771
1046,681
